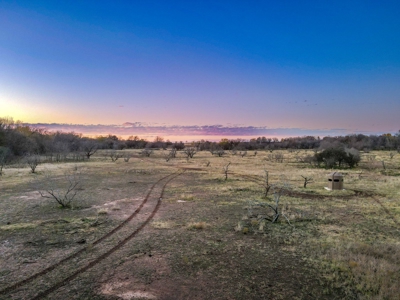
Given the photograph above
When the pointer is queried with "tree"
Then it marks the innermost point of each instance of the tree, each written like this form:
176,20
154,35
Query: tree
114,155
146,152
266,184
4,157
178,146
62,190
258,212
189,152
226,170
33,160
89,147
335,157
127,157
306,180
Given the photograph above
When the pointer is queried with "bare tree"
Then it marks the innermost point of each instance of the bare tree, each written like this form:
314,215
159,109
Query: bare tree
114,155
277,211
226,169
167,156
172,153
4,156
266,184
189,152
306,180
127,157
89,147
146,152
62,192
219,152
33,160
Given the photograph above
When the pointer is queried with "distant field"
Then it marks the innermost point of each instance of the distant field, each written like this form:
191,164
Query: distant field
152,229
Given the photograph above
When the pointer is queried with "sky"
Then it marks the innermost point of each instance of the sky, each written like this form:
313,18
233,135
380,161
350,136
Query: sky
310,66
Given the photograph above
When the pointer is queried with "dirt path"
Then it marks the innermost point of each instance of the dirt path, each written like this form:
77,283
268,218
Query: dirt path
93,253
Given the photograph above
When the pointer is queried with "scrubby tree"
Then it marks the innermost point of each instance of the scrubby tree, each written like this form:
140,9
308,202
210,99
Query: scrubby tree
127,157
33,160
146,152
226,170
63,190
336,157
89,147
307,180
4,157
266,184
114,155
189,152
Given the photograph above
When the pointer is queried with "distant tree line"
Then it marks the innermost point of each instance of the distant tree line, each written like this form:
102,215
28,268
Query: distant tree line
360,142
18,140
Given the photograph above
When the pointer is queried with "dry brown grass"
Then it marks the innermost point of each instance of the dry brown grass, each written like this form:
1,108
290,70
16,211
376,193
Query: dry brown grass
351,239
198,225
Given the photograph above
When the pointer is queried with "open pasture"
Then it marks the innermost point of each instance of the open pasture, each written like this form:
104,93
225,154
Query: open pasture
178,229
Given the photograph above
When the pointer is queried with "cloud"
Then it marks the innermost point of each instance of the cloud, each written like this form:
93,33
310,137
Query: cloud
194,131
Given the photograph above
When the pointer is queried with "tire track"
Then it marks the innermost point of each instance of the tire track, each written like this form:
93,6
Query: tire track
45,271
109,252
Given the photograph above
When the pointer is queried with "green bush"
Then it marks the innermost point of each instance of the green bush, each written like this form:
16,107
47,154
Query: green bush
338,157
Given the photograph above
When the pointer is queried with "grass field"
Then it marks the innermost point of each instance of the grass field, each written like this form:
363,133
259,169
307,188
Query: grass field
192,238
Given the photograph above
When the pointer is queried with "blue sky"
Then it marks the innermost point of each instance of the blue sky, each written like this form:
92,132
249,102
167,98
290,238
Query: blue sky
312,65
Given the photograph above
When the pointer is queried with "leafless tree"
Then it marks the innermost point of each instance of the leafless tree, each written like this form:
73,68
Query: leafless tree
33,160
226,170
172,153
78,156
189,152
4,155
114,155
233,151
89,147
60,151
63,191
266,184
219,152
167,156
306,180
127,157
278,191
146,152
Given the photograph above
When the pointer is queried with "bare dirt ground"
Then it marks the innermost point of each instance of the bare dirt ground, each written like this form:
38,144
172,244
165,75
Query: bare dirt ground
151,229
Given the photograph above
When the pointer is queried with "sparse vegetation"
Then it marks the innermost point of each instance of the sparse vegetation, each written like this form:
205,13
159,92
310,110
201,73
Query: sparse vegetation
226,170
32,160
114,155
63,190
307,180
340,244
4,157
147,152
189,152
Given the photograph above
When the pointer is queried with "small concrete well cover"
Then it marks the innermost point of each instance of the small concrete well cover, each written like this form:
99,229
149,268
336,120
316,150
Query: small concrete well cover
335,181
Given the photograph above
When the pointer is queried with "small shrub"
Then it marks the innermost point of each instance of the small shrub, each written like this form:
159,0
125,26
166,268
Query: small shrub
198,225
